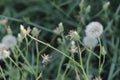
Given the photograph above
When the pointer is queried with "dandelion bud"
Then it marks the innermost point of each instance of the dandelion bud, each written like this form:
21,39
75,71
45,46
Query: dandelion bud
35,32
74,35
61,27
23,30
19,38
59,40
9,30
90,42
88,9
94,29
103,51
105,6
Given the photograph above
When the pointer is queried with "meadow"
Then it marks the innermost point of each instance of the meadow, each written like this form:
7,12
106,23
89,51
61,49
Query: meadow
59,40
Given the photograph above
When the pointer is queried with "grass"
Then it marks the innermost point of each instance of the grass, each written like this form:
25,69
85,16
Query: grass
25,61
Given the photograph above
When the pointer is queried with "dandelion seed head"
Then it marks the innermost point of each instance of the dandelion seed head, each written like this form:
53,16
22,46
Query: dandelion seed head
94,29
90,42
9,40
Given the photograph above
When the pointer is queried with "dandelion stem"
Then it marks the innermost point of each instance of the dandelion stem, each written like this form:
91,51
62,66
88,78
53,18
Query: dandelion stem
2,73
89,50
55,49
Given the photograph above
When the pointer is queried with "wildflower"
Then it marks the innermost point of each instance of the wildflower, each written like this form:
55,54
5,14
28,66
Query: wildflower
94,29
46,59
106,5
90,42
35,32
74,35
9,40
20,38
59,29
4,52
24,32
73,48
9,30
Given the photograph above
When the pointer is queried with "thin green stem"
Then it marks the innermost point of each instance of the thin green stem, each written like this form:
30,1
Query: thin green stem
89,49
3,75
88,62
25,59
55,50
81,62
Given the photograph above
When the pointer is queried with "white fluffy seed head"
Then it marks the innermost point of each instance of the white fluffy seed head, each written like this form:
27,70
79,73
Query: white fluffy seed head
4,52
94,29
90,42
9,41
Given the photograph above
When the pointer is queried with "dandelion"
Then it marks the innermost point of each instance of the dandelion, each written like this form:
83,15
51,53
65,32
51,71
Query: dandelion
4,52
46,59
74,35
9,40
94,29
90,42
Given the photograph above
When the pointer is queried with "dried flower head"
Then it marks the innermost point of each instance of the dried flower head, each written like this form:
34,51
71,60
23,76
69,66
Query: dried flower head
94,29
9,40
73,50
59,29
4,52
46,59
74,35
90,42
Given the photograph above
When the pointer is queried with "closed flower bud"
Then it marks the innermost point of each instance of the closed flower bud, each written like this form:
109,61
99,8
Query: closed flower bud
103,51
20,38
23,30
88,9
35,32
9,30
105,6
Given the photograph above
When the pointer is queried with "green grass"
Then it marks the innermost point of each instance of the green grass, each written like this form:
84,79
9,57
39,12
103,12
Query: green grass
25,61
